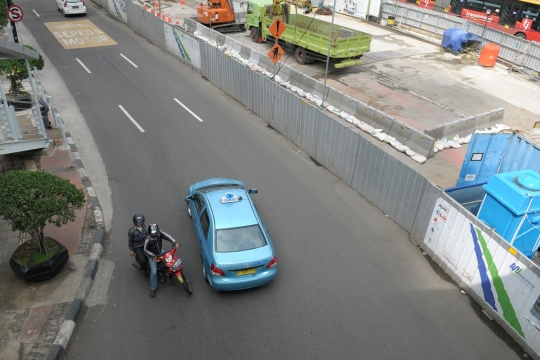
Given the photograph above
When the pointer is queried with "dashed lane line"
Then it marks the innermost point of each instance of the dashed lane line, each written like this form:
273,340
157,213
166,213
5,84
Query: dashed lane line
84,66
189,111
130,118
129,61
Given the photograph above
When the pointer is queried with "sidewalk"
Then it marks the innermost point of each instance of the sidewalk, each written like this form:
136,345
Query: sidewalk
32,314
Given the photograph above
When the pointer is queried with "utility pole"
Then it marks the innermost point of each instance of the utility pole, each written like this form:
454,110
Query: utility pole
328,55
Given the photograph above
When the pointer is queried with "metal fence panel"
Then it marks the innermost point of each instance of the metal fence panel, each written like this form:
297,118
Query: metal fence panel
294,120
152,30
363,154
310,128
387,179
347,149
280,114
267,99
135,16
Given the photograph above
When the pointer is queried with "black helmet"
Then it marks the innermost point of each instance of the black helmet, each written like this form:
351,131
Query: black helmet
138,218
153,230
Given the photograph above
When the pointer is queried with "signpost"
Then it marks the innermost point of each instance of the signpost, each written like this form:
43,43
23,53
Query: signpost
15,13
276,29
12,23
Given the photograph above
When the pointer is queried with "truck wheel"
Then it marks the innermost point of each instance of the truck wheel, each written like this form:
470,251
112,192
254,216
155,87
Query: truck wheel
521,36
301,56
255,34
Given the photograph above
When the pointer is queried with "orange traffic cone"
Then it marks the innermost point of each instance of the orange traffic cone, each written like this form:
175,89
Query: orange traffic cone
152,10
182,2
177,22
163,17
144,6
169,20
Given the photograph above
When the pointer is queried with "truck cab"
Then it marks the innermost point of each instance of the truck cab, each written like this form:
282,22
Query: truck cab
255,12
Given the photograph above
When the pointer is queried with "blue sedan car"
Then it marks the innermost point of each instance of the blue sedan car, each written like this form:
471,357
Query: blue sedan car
235,247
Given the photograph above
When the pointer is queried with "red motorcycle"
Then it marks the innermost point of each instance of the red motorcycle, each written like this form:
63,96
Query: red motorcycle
173,266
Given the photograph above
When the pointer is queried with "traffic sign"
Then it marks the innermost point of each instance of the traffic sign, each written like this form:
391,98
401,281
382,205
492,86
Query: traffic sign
277,28
276,53
15,13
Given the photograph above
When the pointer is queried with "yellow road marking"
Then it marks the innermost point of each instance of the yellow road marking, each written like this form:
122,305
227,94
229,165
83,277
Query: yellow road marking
79,34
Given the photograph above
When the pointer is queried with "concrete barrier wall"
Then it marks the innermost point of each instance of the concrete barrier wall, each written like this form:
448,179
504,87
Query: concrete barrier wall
467,126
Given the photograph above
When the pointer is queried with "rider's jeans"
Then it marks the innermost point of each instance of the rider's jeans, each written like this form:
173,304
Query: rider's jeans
153,271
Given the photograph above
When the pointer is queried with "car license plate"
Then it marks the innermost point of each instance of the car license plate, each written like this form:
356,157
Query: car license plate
74,7
246,272
177,264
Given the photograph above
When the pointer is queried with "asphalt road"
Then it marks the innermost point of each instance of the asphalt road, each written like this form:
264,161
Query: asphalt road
350,285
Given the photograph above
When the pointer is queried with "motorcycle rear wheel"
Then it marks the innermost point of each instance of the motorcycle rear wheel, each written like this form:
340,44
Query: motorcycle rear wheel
186,284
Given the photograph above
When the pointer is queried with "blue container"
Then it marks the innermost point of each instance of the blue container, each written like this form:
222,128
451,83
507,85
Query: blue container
512,208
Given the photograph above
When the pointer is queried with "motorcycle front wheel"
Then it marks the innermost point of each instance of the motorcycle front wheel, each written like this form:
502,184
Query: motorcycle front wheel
185,283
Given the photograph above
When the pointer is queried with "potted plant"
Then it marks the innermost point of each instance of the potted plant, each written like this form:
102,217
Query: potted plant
28,201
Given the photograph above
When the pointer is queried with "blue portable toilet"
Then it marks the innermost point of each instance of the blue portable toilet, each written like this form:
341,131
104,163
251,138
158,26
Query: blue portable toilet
512,207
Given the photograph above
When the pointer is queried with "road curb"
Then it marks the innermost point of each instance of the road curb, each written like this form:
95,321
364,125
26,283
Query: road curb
68,326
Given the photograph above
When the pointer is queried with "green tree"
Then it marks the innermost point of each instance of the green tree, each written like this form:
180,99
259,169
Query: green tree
3,13
15,69
31,199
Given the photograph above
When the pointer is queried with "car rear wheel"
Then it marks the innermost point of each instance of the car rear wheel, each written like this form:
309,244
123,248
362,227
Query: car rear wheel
521,36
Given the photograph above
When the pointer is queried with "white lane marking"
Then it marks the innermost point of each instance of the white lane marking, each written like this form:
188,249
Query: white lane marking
84,66
35,12
130,118
129,61
189,111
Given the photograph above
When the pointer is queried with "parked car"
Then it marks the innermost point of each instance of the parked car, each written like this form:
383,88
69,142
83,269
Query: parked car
235,247
71,7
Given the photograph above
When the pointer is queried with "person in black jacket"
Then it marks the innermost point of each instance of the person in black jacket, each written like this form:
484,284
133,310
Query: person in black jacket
136,237
152,248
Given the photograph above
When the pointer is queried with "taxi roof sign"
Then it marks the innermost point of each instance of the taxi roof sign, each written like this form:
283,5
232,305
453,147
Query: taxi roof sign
277,28
230,198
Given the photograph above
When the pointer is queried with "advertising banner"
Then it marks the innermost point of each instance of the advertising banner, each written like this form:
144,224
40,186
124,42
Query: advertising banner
182,45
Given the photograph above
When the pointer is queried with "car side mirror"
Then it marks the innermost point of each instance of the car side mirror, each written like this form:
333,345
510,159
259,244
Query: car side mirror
188,198
253,191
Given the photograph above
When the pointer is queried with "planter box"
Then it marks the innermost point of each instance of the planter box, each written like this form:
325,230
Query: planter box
44,270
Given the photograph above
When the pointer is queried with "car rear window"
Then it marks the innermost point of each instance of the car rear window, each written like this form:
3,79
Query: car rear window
74,1
239,239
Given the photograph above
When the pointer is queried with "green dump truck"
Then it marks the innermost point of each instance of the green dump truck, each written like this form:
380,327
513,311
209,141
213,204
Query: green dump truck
306,35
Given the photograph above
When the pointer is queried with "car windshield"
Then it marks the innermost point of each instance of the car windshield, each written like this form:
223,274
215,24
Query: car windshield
239,239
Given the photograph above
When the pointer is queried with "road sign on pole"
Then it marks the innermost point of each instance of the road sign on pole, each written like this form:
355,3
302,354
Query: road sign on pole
277,28
276,53
15,13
